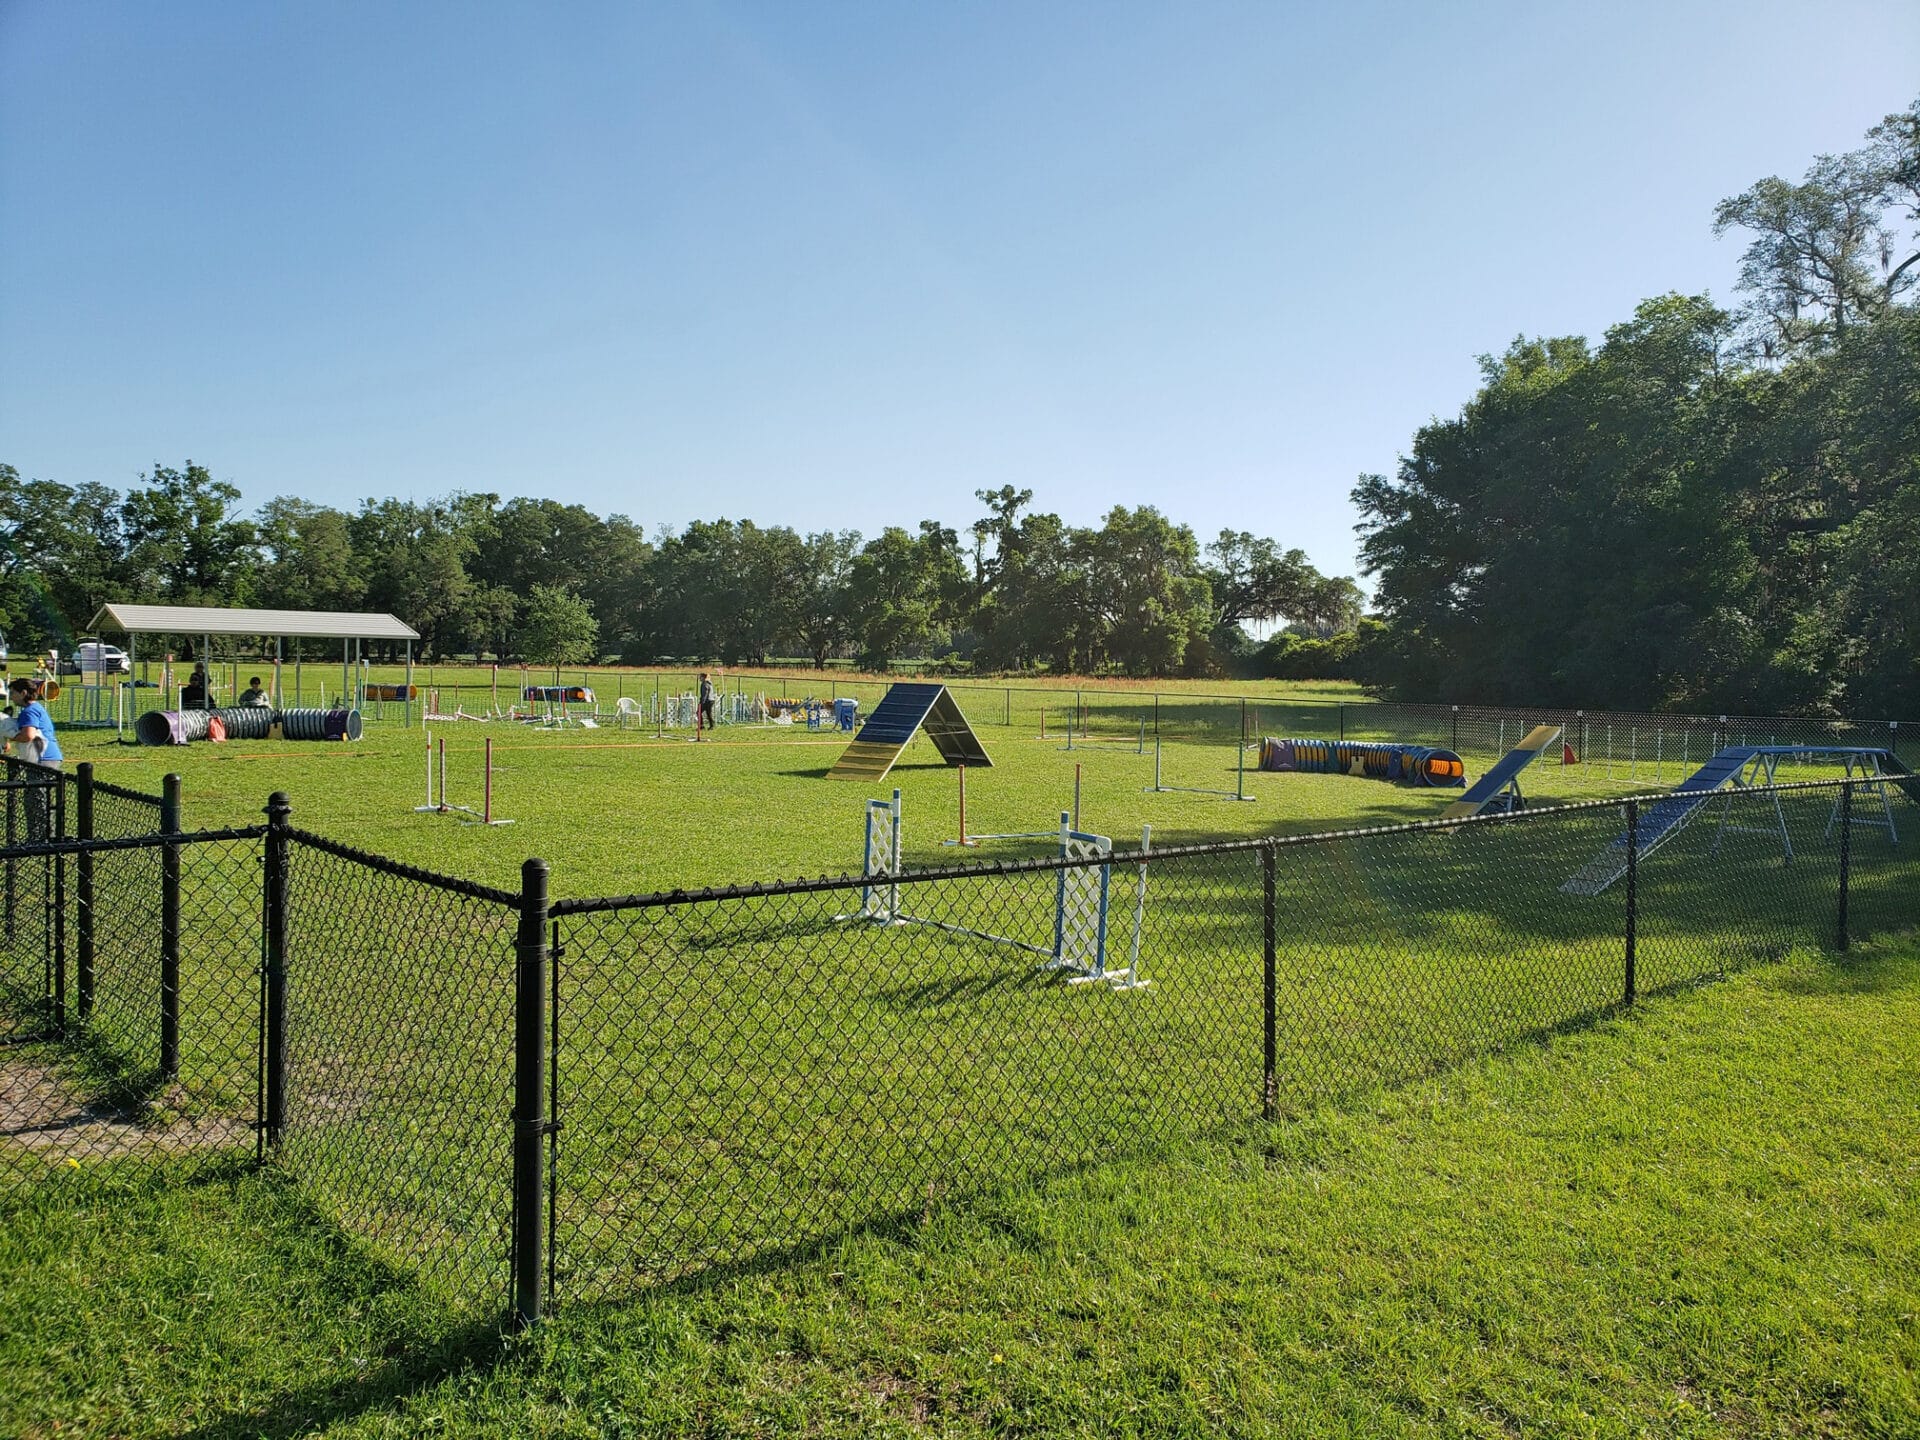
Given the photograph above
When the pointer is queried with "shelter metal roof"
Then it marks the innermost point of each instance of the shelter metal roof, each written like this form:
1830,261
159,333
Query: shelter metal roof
221,620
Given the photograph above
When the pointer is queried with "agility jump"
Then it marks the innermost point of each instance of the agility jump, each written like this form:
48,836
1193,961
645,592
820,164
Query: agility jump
443,806
1081,907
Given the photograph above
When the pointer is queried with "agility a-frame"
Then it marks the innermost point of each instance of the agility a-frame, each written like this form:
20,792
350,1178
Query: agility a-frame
902,711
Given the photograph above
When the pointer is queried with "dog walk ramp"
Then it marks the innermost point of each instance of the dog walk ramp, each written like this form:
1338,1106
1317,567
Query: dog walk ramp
902,711
1661,821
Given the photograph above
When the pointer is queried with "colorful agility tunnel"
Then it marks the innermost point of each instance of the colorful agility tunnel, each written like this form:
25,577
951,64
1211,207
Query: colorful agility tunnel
1373,759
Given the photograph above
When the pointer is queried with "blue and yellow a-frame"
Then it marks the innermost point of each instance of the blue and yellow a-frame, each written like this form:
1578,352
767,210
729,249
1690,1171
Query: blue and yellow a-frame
903,710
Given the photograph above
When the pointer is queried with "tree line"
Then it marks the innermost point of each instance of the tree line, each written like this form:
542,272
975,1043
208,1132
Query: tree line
549,582
1711,509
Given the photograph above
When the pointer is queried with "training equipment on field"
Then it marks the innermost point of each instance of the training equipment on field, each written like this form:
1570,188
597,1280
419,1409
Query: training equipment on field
969,838
1239,791
246,722
1498,791
904,709
1081,909
1747,767
442,806
1377,760
832,714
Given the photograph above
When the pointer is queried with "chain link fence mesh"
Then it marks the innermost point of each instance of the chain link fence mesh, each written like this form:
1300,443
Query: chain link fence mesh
399,1083
749,1072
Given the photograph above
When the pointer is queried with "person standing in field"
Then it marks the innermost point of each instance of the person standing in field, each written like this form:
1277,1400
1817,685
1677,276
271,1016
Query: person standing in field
34,740
707,701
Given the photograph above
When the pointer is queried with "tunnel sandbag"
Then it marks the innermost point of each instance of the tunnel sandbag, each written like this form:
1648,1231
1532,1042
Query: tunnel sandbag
312,724
171,727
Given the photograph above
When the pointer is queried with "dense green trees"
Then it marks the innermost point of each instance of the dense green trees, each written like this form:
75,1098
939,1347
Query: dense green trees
555,583
1708,510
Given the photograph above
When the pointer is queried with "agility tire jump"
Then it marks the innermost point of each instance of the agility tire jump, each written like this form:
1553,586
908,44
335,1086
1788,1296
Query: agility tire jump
1082,902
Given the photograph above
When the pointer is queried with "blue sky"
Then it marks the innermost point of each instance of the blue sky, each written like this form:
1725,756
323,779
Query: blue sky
840,265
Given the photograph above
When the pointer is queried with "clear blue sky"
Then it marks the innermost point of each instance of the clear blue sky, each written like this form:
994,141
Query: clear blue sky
839,264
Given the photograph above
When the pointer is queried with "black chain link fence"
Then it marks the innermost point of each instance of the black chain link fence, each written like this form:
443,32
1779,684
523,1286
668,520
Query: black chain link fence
589,1097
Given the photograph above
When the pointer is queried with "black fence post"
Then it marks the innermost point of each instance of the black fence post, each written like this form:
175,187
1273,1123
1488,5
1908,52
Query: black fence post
530,1093
83,887
1633,900
273,979
1846,858
1269,992
13,839
170,929
54,809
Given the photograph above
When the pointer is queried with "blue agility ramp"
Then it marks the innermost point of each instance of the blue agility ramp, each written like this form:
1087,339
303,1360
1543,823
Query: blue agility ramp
902,711
1741,767
1499,788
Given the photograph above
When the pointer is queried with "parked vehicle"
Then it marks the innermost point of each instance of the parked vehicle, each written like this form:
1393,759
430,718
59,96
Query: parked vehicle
91,657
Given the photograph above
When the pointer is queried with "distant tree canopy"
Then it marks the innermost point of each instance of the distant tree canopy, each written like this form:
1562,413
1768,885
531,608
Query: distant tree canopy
1708,510
554,583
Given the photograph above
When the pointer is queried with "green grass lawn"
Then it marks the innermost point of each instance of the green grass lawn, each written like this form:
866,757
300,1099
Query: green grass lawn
1695,1219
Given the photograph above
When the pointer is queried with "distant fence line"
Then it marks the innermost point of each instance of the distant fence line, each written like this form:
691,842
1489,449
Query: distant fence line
527,1098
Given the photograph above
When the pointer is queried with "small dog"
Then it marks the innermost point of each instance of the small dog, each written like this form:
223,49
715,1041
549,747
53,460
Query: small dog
9,740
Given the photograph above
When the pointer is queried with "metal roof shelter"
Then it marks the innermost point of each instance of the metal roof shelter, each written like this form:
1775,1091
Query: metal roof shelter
206,621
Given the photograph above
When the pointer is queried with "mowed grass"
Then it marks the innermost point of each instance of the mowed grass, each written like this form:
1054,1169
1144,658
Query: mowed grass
622,811
1701,1218
743,1079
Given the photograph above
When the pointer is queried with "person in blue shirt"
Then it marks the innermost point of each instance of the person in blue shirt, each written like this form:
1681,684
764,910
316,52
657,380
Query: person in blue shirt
34,741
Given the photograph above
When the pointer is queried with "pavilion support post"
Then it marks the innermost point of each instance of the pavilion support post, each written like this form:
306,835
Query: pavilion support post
408,702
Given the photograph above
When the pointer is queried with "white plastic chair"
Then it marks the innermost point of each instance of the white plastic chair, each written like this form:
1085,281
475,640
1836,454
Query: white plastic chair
628,711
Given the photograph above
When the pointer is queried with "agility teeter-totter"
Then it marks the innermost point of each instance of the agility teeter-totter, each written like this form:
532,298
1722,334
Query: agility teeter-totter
1375,760
903,710
1498,790
1745,767
1081,909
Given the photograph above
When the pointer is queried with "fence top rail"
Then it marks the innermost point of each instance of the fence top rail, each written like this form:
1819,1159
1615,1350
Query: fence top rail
471,889
36,782
1160,854
157,841
121,792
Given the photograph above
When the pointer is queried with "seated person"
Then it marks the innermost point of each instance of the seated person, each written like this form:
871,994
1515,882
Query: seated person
193,695
254,695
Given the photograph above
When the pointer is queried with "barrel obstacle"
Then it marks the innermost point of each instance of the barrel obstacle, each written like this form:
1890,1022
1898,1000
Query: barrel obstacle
1081,902
246,722
1425,765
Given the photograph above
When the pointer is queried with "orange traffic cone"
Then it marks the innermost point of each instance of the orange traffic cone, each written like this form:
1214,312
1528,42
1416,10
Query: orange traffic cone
1567,757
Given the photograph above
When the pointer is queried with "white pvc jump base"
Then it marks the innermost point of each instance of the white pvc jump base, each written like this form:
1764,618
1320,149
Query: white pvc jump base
1081,909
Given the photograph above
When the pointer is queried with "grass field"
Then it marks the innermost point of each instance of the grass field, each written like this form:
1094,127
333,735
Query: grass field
619,811
1697,1220
748,1088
